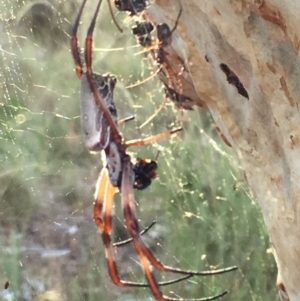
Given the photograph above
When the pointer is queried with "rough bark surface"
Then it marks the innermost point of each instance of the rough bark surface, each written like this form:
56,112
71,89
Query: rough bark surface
241,61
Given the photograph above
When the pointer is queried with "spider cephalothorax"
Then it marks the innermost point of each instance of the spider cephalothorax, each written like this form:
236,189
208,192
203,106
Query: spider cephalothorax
144,170
120,174
95,127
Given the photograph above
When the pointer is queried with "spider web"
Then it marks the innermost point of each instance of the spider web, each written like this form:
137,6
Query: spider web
50,247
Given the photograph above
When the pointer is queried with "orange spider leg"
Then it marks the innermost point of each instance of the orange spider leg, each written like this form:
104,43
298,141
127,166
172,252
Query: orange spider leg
89,73
99,197
124,120
151,139
104,199
103,188
171,74
147,49
144,80
155,113
144,252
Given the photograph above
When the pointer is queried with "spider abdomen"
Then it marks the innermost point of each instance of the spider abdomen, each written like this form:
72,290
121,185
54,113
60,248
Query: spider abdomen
95,126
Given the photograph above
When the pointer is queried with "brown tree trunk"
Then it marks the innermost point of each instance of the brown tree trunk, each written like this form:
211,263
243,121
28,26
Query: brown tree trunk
241,61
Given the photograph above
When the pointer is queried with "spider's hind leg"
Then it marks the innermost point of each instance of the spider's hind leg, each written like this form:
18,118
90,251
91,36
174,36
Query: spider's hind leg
104,199
129,240
147,259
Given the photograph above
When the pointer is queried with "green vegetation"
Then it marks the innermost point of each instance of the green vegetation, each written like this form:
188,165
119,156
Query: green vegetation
50,247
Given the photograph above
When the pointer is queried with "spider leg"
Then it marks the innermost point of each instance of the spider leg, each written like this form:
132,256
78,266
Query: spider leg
104,194
129,240
156,112
104,198
147,49
74,43
90,76
101,187
140,82
146,256
124,120
100,193
151,139
113,17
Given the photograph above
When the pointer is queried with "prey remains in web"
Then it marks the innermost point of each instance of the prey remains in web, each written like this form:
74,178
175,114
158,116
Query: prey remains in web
158,47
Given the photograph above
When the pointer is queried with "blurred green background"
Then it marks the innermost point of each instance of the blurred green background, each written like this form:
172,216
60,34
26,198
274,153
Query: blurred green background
50,248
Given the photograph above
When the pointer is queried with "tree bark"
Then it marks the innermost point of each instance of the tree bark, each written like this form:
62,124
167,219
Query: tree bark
240,59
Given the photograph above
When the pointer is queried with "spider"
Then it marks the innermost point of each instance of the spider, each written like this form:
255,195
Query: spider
101,133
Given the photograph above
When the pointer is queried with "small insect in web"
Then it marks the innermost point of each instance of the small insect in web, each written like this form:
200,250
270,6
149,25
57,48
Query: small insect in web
164,40
132,6
142,31
119,173
158,48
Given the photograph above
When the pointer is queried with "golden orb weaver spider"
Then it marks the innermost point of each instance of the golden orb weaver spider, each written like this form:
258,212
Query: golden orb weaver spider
99,124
